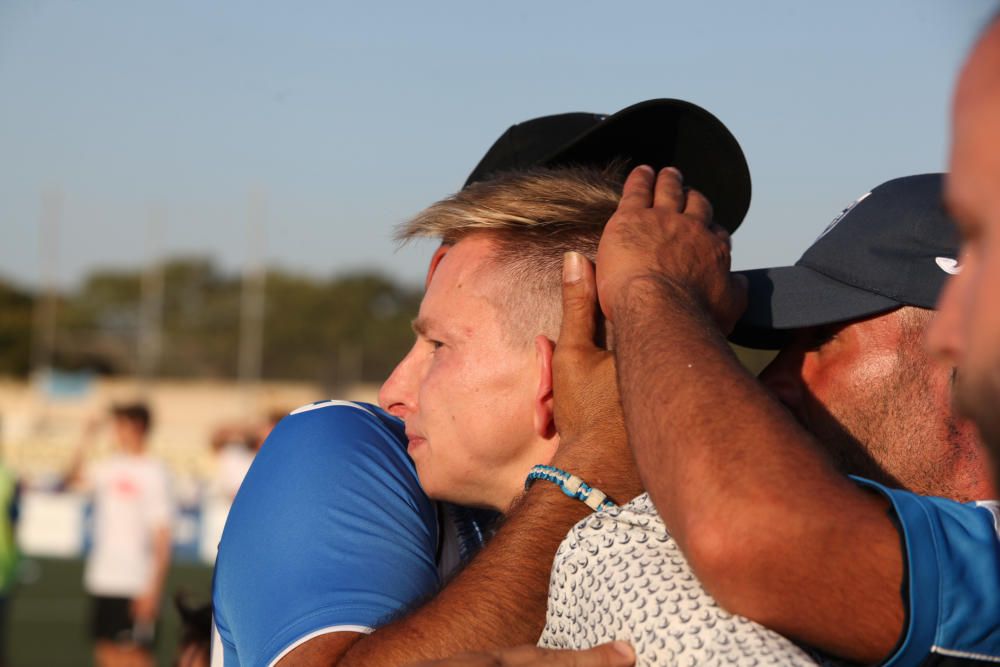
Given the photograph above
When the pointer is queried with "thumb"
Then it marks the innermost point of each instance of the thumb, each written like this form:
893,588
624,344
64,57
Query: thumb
579,301
612,654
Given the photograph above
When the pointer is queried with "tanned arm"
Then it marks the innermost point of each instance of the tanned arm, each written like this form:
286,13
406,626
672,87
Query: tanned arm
498,600
771,529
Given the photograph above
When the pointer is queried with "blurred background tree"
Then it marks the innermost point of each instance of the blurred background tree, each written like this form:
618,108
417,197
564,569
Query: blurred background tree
336,331
16,307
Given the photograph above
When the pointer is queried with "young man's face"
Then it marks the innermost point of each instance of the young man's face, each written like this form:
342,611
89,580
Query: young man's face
967,331
128,433
466,390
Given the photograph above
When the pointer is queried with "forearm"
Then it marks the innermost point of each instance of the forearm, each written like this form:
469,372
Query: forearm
683,394
161,561
769,526
498,600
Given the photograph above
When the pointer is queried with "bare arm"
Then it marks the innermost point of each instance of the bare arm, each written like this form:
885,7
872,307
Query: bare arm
73,478
146,607
773,532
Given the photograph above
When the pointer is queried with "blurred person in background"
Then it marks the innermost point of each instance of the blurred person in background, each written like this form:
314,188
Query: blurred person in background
130,555
233,453
234,446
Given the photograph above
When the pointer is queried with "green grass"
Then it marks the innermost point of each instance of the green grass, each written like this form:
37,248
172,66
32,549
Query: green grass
48,615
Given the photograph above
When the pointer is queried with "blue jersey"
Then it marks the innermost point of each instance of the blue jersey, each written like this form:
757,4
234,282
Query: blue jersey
329,532
953,571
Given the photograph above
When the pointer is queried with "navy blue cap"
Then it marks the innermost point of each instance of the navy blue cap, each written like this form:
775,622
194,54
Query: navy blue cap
660,133
893,247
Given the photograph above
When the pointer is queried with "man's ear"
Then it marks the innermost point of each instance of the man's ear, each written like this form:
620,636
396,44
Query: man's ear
544,418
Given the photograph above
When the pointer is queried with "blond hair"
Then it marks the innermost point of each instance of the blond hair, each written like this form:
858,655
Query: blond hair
533,216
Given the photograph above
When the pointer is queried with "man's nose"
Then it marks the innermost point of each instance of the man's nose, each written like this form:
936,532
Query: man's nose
396,395
944,336
783,377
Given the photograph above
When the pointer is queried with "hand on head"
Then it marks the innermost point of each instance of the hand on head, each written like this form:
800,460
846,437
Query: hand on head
587,408
664,233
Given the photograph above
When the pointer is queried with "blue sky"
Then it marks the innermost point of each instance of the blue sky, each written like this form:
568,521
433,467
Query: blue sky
345,118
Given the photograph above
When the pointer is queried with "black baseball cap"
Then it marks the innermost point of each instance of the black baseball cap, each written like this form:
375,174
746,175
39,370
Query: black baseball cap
660,133
895,246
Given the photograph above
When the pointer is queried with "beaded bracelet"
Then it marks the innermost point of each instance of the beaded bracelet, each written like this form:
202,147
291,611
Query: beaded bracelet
571,485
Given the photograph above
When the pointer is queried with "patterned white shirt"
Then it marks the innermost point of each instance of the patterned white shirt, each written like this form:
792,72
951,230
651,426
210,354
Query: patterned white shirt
620,575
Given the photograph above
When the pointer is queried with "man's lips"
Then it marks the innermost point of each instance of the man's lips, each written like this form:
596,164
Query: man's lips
413,440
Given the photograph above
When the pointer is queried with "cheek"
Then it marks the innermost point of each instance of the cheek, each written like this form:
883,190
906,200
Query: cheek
841,383
982,314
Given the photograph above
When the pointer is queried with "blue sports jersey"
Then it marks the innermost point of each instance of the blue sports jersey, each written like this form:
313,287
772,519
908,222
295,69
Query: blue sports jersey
953,568
330,531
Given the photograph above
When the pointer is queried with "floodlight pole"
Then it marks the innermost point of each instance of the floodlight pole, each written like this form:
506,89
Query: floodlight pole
44,330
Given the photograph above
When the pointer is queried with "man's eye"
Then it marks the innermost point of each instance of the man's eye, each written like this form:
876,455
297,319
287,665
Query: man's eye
435,344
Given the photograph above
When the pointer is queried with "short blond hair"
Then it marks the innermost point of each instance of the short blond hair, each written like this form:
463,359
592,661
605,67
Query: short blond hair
534,216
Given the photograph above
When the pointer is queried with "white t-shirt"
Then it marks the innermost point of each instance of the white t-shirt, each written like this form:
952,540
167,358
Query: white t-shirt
131,500
620,575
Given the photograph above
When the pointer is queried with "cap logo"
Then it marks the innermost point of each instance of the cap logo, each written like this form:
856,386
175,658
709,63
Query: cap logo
843,214
948,265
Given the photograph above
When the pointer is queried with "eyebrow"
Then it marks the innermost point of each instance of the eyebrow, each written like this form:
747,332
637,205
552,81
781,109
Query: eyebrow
420,325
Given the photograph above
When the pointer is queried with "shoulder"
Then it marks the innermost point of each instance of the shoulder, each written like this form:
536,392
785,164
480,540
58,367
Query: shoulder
356,443
336,426
330,453
340,532
952,553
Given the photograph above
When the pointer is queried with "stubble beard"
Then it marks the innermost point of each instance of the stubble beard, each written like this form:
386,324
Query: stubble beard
980,402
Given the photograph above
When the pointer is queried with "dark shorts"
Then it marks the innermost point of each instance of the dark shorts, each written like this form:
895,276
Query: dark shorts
111,620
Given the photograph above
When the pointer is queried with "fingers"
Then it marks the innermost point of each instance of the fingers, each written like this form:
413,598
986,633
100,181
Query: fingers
579,296
613,654
697,205
669,192
638,189
722,234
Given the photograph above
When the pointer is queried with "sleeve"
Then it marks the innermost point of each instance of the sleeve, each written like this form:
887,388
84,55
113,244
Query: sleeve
953,580
330,531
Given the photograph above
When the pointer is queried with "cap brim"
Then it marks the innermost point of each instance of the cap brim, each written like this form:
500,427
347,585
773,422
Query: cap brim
795,297
670,132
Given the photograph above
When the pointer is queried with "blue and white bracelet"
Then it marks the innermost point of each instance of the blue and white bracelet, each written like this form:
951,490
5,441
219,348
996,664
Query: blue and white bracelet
571,485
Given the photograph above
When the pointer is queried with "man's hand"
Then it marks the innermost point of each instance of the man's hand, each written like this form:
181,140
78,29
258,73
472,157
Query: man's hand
614,654
664,233
588,412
